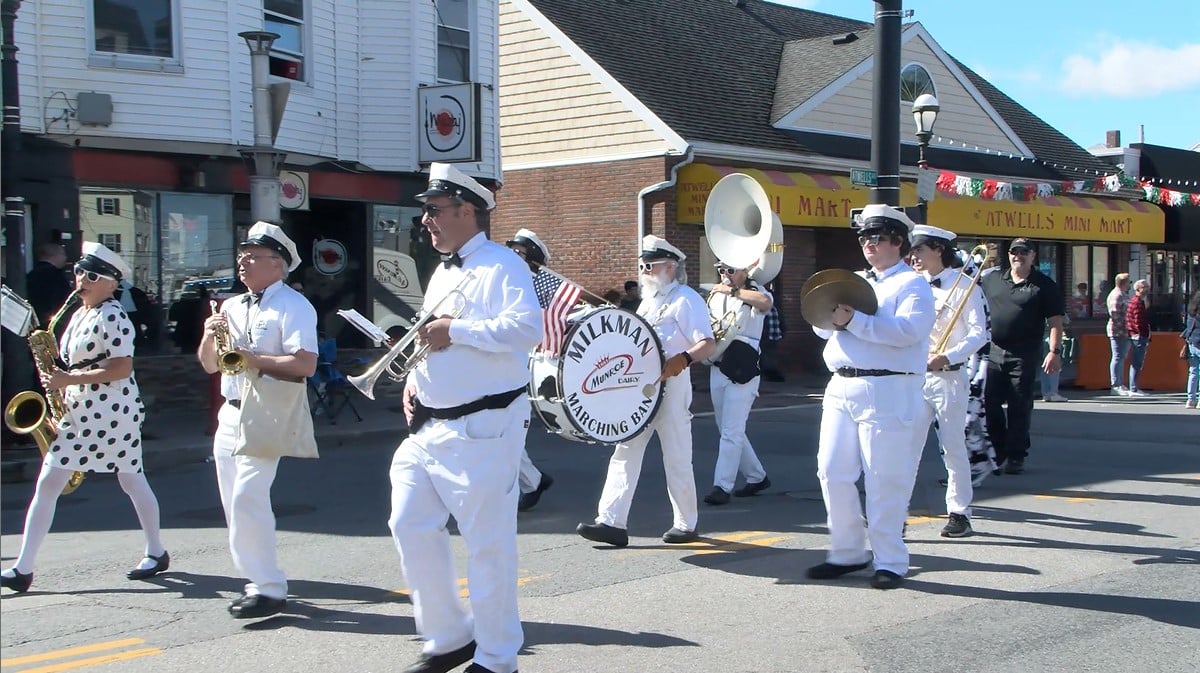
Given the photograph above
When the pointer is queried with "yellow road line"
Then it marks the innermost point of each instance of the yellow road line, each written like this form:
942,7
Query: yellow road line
94,661
71,652
463,592
1068,498
760,543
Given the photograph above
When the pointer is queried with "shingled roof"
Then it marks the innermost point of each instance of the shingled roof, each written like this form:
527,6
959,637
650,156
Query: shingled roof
710,70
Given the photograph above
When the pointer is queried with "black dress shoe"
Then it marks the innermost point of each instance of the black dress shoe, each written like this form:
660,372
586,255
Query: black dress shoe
161,563
19,582
718,496
679,536
886,579
1015,466
528,500
753,489
256,606
442,663
602,532
830,571
476,668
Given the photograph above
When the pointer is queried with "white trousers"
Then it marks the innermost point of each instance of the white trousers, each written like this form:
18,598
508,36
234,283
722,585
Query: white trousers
731,409
466,468
867,429
946,397
530,476
673,423
245,484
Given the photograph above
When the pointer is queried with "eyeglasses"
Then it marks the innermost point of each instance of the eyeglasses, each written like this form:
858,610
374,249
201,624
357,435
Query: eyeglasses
433,211
873,239
649,266
249,257
726,270
91,276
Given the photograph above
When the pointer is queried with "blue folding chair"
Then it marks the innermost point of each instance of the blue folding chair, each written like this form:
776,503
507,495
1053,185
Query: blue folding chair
332,392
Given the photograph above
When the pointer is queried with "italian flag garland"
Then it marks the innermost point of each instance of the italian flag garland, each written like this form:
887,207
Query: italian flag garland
999,190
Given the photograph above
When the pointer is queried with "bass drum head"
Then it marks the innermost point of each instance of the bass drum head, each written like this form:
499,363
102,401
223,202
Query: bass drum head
604,387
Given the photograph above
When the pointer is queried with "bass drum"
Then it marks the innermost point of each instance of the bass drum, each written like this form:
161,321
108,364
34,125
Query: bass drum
603,387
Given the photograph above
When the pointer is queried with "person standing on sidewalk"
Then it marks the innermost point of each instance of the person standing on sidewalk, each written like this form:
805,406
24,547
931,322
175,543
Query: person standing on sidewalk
275,329
468,416
680,319
946,378
1191,348
1118,336
532,481
733,383
1021,300
871,406
1137,322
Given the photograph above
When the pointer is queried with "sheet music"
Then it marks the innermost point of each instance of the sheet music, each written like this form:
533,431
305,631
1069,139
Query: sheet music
16,315
360,322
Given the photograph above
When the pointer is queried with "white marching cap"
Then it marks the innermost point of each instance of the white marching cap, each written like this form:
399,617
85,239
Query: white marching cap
271,236
446,180
101,260
877,215
654,247
929,231
526,238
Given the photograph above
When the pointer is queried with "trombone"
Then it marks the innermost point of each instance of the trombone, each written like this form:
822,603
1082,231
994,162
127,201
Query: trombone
407,353
980,264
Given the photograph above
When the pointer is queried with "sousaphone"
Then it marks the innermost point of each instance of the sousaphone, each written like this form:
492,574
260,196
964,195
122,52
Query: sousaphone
824,290
745,233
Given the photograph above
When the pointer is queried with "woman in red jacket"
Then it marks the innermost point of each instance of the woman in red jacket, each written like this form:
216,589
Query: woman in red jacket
1137,321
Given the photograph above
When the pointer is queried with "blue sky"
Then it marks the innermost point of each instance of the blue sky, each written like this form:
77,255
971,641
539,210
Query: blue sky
1084,67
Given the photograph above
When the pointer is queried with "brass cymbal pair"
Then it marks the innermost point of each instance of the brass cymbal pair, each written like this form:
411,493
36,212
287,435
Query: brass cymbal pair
824,290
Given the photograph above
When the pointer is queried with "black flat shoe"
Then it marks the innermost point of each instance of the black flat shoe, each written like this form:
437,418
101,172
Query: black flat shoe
831,571
753,489
602,532
528,500
256,606
679,536
19,582
161,563
443,663
886,579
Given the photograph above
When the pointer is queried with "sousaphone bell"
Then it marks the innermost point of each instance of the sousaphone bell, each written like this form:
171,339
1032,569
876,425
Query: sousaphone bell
824,290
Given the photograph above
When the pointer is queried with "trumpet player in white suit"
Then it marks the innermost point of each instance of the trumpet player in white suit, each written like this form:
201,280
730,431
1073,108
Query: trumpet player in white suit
947,387
733,382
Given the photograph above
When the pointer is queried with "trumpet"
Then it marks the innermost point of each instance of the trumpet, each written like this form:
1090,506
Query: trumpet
407,353
980,264
229,360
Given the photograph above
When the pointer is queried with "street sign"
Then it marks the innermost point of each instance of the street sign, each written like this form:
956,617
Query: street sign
863,176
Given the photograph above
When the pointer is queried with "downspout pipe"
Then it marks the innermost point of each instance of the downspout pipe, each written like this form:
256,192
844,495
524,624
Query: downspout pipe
688,157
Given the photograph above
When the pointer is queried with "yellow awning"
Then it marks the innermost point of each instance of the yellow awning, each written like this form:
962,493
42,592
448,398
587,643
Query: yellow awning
799,199
1069,218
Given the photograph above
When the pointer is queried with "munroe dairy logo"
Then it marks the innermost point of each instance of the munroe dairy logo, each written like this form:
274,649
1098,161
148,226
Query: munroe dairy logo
610,356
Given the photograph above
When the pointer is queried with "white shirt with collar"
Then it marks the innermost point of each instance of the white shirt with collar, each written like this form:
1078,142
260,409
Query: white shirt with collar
720,303
896,338
970,332
679,317
282,322
490,342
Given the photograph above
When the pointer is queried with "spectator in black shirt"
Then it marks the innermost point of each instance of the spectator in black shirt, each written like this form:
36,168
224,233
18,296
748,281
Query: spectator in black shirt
47,284
1022,301
633,296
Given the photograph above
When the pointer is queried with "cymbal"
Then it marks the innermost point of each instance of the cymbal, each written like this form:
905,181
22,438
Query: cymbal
842,287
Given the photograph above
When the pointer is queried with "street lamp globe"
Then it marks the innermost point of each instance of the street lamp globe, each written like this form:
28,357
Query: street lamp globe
259,41
925,110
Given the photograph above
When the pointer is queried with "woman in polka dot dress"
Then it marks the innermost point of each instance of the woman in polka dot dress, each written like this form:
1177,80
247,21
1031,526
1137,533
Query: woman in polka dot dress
101,431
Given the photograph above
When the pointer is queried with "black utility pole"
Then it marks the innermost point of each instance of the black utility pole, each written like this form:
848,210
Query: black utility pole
885,124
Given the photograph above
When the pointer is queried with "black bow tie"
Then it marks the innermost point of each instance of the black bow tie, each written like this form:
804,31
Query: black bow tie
253,298
451,260
871,275
936,282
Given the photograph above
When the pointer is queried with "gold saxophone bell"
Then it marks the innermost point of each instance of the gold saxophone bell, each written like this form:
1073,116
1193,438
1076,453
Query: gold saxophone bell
229,360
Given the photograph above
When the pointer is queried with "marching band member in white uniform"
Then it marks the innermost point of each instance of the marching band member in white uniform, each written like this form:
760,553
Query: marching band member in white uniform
947,386
871,406
275,328
732,399
468,416
680,318
533,482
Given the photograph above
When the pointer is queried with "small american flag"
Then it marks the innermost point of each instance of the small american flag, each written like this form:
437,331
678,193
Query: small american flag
556,297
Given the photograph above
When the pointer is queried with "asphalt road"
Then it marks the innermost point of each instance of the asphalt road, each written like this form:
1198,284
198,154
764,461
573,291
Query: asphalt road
1085,563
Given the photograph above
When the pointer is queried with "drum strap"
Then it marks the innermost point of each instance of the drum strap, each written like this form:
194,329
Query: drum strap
422,413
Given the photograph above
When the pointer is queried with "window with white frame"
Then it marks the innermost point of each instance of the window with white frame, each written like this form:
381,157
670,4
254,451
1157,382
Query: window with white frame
107,205
140,34
454,40
914,81
110,241
287,19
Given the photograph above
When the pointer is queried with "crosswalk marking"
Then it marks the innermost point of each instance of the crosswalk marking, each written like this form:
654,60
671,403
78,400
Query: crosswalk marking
83,649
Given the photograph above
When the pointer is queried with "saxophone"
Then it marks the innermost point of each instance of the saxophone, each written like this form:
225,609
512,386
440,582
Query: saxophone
229,360
28,412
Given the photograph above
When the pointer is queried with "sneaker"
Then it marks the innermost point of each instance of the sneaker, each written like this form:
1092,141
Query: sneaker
958,526
753,489
1137,393
1191,405
1055,398
718,496
1120,391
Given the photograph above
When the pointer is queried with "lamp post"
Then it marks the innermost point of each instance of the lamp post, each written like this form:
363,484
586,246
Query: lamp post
925,110
262,158
885,92
17,368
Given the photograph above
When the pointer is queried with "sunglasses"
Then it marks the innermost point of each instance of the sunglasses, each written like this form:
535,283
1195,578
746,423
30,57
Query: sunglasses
433,211
1021,252
873,239
726,270
91,276
648,266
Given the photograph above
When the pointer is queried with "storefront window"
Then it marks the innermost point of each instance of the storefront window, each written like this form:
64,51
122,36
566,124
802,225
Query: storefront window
123,221
197,243
1091,280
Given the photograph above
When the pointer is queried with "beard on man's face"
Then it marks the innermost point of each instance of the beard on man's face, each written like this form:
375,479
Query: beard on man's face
651,284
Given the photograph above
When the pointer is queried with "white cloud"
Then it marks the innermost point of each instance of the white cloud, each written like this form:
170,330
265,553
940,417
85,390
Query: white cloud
1133,70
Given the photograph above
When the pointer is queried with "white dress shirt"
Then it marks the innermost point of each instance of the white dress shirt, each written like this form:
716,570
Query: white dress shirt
283,322
719,304
970,332
679,318
490,342
896,338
